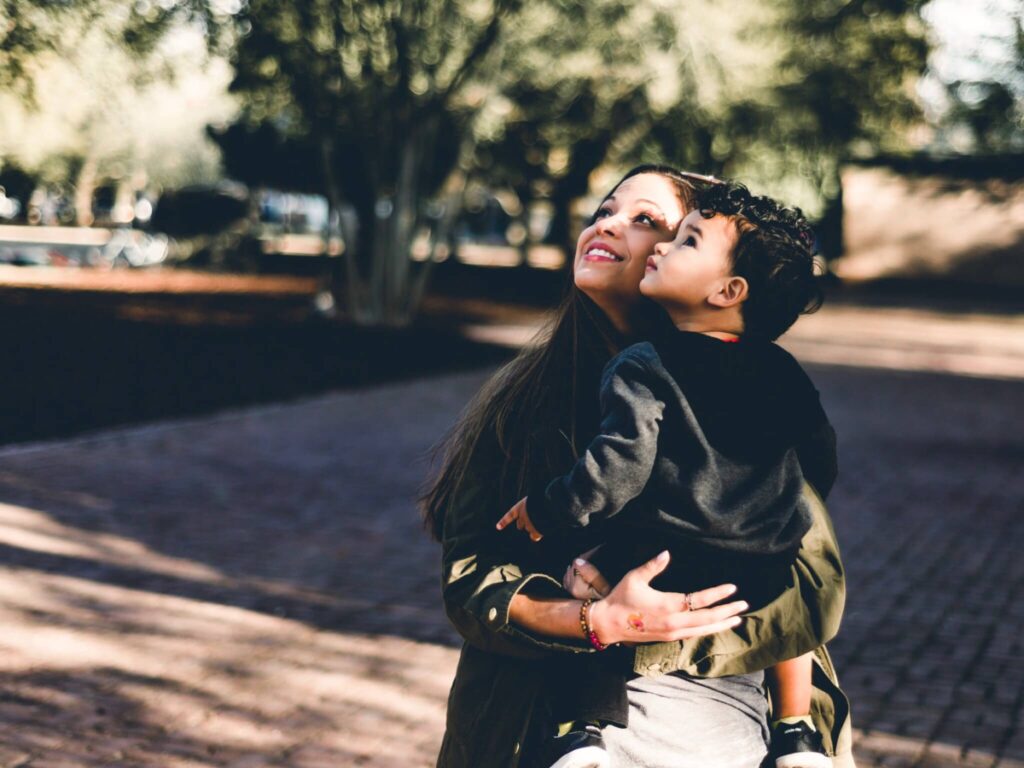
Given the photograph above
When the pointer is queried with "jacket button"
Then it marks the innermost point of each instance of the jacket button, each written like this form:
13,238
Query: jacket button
492,614
515,749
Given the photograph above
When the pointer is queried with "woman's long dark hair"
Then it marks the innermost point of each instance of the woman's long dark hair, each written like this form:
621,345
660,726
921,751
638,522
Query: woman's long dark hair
530,406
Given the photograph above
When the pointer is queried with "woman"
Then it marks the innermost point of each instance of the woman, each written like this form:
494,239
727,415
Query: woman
502,593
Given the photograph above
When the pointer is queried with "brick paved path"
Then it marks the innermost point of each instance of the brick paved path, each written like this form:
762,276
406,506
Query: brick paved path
253,589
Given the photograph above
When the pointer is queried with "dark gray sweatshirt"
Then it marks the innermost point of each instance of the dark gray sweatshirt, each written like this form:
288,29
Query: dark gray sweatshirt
701,443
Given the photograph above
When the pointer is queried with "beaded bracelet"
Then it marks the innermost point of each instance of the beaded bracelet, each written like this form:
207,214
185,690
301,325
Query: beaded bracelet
588,631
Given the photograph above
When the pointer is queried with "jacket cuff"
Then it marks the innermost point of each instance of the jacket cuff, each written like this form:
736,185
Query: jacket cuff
498,621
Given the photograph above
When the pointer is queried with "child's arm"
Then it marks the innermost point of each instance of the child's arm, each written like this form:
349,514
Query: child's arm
617,464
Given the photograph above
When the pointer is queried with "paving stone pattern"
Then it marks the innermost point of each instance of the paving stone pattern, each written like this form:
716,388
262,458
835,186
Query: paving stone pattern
253,589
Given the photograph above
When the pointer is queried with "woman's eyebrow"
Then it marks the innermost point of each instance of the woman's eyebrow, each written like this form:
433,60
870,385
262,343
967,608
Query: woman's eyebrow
652,203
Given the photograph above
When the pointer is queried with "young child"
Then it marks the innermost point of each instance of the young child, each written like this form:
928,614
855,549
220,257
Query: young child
706,438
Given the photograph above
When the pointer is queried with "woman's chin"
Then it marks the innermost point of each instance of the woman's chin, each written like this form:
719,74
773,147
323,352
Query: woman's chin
589,280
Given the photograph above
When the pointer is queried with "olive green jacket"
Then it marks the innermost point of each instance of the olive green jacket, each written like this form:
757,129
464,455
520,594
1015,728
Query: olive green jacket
491,707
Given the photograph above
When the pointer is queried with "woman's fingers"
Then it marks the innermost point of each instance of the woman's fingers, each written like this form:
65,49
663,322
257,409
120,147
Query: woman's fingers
702,618
710,596
704,629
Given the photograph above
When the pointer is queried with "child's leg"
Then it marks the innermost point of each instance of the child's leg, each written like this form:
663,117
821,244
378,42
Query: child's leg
795,741
790,686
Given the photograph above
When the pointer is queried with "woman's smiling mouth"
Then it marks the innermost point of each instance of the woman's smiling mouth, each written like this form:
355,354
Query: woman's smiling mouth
601,252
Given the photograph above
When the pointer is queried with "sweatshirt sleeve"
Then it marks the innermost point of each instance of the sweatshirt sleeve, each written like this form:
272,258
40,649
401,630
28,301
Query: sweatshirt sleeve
618,462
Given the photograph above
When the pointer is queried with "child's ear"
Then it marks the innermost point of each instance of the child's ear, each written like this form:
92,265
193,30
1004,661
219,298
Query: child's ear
732,292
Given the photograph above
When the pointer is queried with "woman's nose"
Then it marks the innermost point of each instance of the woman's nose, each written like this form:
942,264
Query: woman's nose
609,225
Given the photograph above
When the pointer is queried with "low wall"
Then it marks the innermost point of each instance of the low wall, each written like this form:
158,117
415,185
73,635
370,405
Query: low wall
931,227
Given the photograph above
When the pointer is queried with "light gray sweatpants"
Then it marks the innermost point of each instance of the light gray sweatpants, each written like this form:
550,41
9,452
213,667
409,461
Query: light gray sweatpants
677,721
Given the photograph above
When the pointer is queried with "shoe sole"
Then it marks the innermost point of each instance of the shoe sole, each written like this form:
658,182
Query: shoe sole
588,757
804,760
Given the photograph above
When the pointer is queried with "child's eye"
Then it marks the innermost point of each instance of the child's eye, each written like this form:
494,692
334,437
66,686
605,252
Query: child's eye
690,242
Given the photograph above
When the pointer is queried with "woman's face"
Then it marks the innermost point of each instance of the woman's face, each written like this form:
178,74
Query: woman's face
611,253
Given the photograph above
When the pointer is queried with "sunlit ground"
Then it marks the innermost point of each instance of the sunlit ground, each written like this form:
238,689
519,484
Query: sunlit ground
95,674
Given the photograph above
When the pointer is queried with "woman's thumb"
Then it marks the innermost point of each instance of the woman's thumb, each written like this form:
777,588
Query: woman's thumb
653,567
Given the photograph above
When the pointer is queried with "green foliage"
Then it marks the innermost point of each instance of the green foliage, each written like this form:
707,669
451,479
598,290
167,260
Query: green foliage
97,94
781,94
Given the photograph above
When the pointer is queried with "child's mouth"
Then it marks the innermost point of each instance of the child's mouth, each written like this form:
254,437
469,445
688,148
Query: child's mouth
651,265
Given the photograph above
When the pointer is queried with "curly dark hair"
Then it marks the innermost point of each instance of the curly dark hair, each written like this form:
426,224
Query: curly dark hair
774,252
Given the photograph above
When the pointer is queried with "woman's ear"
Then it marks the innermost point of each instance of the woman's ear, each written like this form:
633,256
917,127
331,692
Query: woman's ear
732,292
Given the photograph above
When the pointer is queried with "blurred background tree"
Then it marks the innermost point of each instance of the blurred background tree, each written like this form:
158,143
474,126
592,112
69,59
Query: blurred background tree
362,102
390,108
94,95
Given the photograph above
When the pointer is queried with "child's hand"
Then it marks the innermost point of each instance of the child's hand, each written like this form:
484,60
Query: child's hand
583,580
522,520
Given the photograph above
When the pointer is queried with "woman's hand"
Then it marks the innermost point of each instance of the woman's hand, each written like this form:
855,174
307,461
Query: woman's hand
634,612
583,580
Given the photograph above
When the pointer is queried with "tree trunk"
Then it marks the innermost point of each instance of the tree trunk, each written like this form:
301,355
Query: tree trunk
84,188
389,292
830,227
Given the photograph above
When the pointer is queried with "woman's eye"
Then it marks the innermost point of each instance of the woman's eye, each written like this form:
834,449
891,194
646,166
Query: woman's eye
600,213
644,218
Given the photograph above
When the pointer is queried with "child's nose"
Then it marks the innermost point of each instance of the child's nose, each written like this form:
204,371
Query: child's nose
660,248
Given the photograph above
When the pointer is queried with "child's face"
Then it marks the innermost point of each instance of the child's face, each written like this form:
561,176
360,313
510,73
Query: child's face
687,273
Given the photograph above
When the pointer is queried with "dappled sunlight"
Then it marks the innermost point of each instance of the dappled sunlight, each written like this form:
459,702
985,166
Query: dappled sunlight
28,529
213,683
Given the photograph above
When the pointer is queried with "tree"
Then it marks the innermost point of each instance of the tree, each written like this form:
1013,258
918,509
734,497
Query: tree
378,90
97,94
569,83
781,94
778,94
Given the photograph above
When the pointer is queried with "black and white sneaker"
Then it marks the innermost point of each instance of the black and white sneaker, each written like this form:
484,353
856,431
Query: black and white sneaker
579,748
797,745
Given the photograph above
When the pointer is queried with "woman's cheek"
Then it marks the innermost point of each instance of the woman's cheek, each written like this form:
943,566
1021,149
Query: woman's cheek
585,236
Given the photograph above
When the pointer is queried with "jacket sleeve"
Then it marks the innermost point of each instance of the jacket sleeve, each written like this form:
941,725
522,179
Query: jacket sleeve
482,570
618,462
805,616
